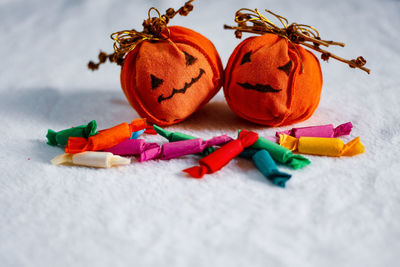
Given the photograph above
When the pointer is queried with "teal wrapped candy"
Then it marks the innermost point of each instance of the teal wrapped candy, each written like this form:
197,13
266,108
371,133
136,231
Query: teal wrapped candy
61,137
281,154
135,135
267,166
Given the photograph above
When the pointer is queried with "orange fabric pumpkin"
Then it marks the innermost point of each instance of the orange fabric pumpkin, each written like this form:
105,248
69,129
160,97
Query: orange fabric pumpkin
264,82
168,80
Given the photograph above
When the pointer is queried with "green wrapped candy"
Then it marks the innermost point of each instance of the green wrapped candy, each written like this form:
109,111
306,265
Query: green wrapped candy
61,137
281,154
176,136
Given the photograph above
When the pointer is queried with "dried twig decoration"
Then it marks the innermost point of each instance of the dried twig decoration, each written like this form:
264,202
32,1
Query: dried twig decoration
154,28
252,21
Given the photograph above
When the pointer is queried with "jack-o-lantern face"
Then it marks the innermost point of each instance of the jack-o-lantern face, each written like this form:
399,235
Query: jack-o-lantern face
264,83
166,81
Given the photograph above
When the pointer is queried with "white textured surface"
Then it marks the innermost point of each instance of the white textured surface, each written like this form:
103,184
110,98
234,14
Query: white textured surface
336,212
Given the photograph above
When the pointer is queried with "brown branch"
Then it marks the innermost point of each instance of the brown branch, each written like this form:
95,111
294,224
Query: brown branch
300,34
153,29
354,63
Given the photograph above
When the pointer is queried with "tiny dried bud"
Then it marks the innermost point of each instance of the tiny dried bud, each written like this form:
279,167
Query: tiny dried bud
120,61
325,56
111,57
290,30
185,9
170,12
240,17
102,57
293,38
183,12
189,7
146,23
361,61
317,44
238,34
93,66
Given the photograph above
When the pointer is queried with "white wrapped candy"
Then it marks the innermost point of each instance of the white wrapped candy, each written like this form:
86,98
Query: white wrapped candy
91,159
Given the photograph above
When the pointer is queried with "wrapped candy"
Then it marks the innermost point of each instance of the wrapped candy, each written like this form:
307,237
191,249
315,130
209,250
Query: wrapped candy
267,166
222,156
150,151
91,159
319,131
168,72
177,136
172,136
270,79
128,147
105,138
61,137
135,135
333,147
281,154
181,148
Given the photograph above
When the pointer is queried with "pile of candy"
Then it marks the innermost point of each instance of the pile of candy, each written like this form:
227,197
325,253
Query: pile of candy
86,146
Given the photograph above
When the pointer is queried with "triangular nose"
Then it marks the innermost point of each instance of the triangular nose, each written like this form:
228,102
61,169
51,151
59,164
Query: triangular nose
155,82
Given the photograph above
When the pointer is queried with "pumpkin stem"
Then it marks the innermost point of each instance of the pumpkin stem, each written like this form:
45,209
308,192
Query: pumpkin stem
300,34
154,29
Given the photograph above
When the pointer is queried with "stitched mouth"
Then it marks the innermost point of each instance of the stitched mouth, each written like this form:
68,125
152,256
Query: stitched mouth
259,87
182,90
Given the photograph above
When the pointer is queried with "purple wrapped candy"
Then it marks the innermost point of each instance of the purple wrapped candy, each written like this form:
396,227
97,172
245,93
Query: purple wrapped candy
181,148
150,151
319,131
128,147
343,129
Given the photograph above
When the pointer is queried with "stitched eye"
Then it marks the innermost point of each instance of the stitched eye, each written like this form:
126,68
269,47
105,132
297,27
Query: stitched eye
286,68
246,58
155,82
190,60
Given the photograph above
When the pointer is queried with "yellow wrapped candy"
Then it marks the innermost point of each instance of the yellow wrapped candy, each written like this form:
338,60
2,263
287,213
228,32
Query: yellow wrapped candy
333,147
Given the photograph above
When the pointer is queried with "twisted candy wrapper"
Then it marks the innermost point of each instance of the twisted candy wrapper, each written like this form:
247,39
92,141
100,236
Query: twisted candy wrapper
267,166
176,136
333,147
281,154
128,147
182,148
222,156
106,138
91,159
135,135
319,131
61,137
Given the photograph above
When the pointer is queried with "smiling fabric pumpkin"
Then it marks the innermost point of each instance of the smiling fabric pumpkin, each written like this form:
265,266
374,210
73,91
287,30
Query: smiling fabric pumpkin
271,79
167,72
265,72
169,80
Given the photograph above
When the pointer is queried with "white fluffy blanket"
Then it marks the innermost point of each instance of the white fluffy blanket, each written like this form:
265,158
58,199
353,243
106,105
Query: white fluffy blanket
336,212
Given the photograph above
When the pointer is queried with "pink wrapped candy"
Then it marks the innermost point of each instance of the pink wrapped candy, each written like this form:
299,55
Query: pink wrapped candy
319,131
128,147
180,148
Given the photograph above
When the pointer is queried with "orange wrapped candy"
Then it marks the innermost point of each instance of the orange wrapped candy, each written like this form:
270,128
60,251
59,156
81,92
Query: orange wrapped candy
105,138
